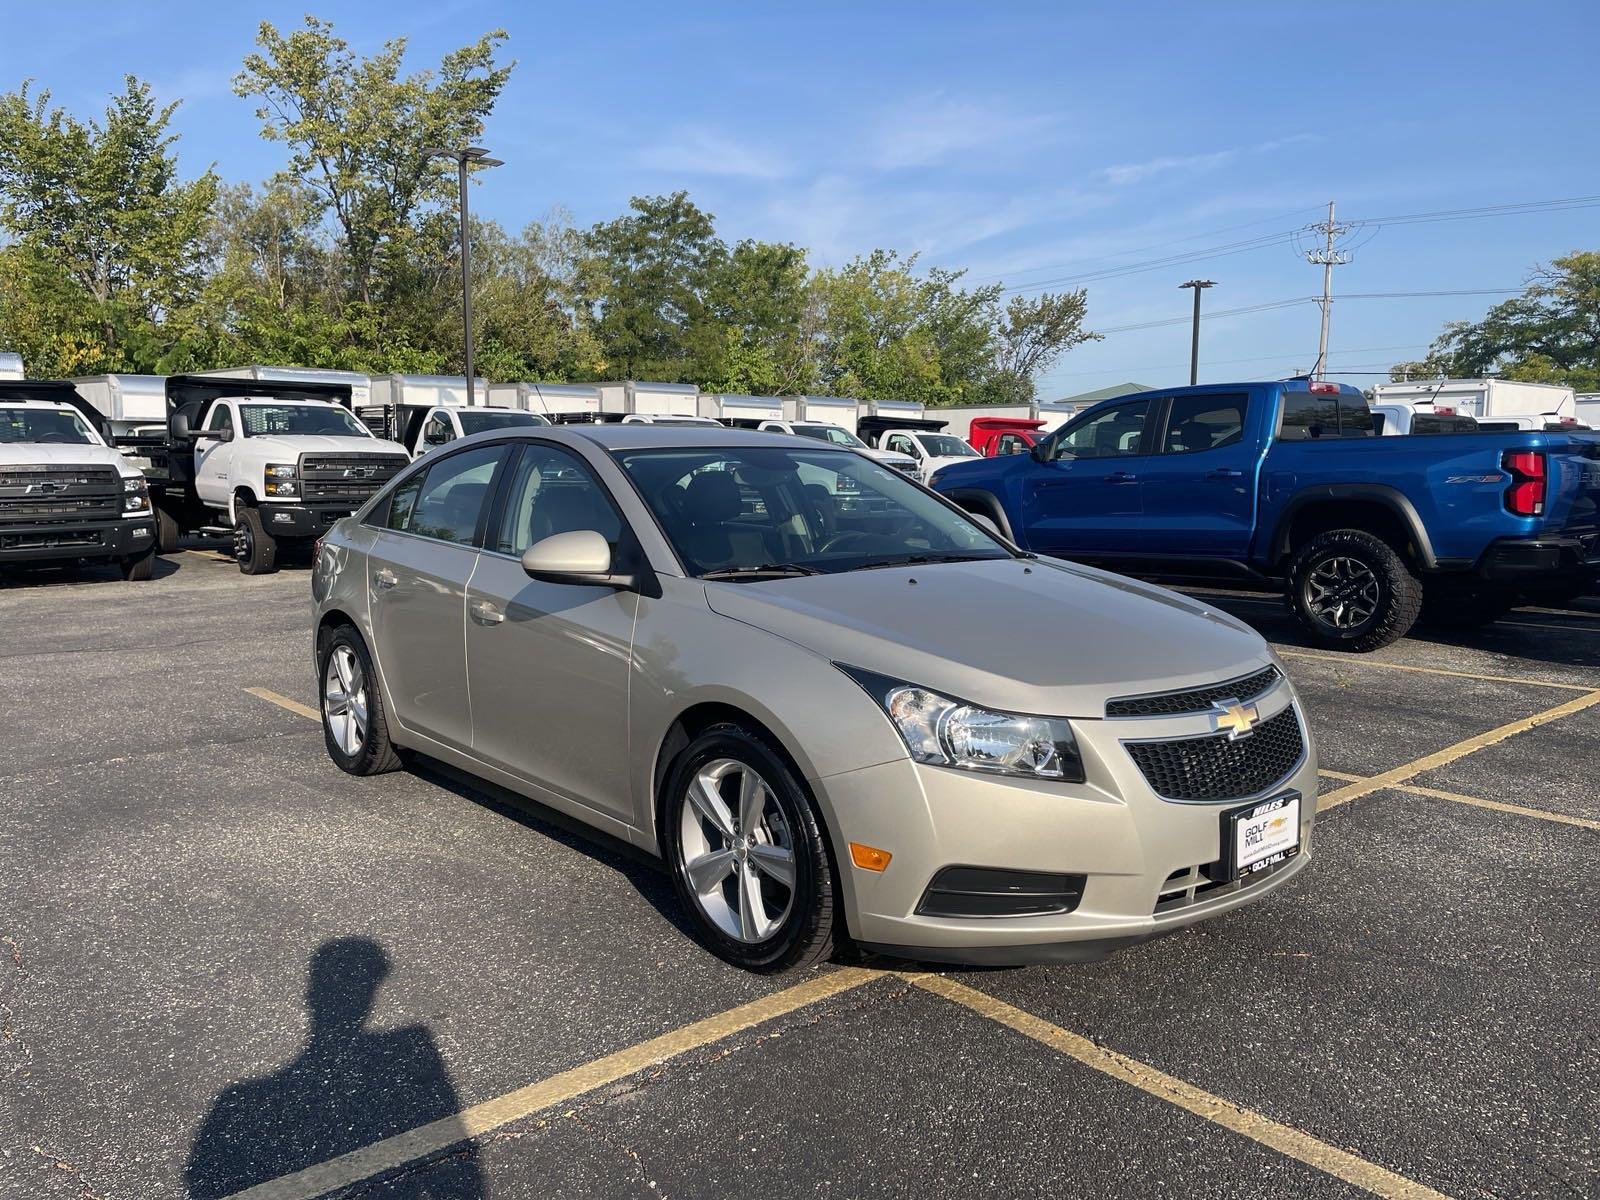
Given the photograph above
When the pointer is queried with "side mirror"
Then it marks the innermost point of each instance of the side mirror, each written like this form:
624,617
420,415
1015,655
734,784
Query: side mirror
180,427
582,556
225,434
988,524
1040,451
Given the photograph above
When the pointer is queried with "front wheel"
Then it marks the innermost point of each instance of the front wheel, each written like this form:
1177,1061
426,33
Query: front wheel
254,548
139,567
748,860
354,726
1350,590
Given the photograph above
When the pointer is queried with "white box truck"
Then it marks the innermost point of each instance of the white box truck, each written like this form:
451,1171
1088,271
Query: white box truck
547,399
748,411
135,405
10,365
825,410
640,397
1529,405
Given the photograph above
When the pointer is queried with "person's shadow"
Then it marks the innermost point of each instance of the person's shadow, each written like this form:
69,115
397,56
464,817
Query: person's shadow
349,1087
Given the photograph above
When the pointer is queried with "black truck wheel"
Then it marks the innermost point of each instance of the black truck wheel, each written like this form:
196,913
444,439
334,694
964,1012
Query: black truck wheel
1350,590
255,549
167,532
139,567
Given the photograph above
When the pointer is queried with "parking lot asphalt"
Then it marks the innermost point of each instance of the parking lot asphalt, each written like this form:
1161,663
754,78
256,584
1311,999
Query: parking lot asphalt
223,962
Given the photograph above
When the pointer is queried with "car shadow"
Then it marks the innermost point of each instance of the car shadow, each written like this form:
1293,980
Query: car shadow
350,1086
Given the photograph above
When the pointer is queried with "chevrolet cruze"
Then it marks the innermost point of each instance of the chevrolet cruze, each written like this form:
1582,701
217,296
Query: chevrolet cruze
835,705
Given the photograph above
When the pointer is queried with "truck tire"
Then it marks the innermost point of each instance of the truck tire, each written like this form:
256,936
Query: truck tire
355,728
139,567
1350,590
1451,605
167,532
255,549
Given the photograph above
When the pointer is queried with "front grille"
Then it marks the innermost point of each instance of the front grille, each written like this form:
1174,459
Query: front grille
1193,700
346,478
49,495
1193,885
1215,768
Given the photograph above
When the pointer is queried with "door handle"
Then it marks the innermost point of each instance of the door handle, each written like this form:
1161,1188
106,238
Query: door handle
485,613
1122,477
1226,473
385,578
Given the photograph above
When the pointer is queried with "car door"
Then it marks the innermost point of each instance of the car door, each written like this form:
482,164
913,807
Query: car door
1084,497
1199,492
549,663
213,457
418,569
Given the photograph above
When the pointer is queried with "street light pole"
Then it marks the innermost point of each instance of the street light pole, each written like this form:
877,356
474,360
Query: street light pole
1199,285
467,155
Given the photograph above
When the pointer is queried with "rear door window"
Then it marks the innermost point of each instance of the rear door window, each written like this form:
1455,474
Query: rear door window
1204,423
1355,418
447,500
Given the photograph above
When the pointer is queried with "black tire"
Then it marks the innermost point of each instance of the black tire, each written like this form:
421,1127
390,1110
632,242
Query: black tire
1464,606
805,933
1384,593
139,567
255,549
167,532
375,754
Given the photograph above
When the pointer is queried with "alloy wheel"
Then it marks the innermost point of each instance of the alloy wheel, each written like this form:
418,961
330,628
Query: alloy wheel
736,850
1343,592
344,700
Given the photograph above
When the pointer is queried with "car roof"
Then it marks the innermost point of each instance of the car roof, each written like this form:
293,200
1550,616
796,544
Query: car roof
638,436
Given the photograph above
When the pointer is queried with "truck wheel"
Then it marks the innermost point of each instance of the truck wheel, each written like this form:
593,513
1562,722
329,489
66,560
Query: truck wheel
254,548
354,727
1350,591
139,567
167,532
1452,605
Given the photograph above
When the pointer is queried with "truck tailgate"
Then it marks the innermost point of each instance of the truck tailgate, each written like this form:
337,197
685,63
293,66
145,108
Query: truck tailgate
1572,503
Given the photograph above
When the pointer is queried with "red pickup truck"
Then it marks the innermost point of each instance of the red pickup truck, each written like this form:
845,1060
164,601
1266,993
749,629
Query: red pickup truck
994,436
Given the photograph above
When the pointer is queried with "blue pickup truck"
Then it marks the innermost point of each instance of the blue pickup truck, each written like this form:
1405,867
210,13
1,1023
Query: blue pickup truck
1285,482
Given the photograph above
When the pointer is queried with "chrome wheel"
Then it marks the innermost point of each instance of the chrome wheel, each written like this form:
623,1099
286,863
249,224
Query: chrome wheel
344,700
736,850
1342,592
244,544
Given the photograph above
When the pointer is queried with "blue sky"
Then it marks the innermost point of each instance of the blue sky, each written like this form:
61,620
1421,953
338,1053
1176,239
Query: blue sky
1023,142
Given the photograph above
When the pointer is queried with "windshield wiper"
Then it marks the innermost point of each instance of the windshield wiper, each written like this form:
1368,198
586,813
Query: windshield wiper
764,571
917,560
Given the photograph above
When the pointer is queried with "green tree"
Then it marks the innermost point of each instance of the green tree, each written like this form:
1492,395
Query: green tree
1032,335
1548,334
356,130
105,242
756,303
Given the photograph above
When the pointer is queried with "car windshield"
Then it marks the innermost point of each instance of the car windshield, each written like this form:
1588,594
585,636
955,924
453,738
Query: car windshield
21,424
265,420
831,433
753,512
943,445
477,422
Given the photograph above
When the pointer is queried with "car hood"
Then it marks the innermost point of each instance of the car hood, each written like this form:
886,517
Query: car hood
889,456
294,445
1027,635
51,454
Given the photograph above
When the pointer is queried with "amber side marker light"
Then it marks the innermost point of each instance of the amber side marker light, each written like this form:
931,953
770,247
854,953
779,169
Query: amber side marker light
869,858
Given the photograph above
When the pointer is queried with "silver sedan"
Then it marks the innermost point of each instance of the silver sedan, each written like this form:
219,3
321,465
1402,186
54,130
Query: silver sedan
837,706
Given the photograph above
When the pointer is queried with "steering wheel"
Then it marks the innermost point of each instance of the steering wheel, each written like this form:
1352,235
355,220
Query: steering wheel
849,537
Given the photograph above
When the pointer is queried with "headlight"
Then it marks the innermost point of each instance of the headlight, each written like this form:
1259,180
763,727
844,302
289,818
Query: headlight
135,494
280,479
945,732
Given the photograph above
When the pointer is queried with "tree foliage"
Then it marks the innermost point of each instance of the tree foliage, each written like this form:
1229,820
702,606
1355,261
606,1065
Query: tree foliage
1548,334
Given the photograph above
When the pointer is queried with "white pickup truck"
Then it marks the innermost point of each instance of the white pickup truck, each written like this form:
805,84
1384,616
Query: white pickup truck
65,495
823,431
919,439
271,462
427,429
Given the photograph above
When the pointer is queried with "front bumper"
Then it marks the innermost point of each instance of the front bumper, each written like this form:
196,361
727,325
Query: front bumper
1542,560
289,520
123,537
1127,844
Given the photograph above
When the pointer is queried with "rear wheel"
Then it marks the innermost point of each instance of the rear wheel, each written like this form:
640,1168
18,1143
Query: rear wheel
354,726
139,567
1350,590
167,532
255,549
747,857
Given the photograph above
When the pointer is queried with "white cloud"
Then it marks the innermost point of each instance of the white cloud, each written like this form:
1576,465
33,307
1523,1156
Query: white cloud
697,150
1126,173
936,127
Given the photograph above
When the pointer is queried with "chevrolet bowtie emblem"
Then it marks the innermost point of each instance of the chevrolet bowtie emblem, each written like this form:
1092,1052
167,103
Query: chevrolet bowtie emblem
1235,719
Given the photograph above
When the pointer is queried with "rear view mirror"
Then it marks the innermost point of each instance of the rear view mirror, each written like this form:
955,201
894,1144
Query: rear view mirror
582,556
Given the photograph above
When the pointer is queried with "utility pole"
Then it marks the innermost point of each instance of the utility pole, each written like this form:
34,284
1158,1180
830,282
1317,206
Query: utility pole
1199,285
1327,257
467,155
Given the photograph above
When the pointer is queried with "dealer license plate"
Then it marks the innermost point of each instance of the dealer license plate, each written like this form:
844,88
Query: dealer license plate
1265,834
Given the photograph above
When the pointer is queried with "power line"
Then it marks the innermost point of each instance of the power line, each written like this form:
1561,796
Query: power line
1227,362
1272,304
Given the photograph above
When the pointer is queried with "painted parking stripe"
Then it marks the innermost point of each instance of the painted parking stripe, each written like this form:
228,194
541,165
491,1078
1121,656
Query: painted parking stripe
1361,661
1285,1139
1521,810
293,706
426,1140
1406,772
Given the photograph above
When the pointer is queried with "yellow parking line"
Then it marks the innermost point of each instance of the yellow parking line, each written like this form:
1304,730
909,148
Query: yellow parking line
1521,810
293,706
1355,660
1343,776
1283,1138
1428,762
425,1140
